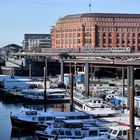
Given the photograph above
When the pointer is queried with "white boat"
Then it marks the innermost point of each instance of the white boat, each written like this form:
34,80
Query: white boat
29,119
93,106
121,133
52,133
35,95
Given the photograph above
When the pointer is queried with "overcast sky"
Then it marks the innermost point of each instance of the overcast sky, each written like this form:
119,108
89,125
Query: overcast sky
18,17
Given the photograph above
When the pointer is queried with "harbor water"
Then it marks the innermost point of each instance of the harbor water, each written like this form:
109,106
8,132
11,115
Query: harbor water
6,132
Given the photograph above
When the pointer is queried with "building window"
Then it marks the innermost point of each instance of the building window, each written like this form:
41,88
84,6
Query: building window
134,34
123,41
104,35
78,34
128,35
138,48
66,41
118,34
123,35
74,34
57,35
57,41
133,48
74,41
62,41
70,41
104,41
78,41
109,34
133,41
70,34
110,41
118,41
66,35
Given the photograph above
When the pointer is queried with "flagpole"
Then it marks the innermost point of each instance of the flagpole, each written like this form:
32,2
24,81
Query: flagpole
90,6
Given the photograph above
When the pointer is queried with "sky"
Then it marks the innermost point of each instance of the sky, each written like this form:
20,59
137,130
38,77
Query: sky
18,17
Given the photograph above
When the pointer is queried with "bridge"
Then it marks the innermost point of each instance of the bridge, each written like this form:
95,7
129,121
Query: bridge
78,54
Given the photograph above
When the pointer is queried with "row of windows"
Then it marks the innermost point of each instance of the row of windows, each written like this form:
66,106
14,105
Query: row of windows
123,35
117,29
104,40
119,41
74,41
102,19
118,23
99,34
117,19
68,30
102,29
67,46
68,35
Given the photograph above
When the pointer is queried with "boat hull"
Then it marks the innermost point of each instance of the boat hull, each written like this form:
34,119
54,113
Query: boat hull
22,124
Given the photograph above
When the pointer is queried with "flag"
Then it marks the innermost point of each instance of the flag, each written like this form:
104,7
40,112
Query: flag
90,5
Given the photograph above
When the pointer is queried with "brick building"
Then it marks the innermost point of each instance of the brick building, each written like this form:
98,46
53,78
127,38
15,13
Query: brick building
97,30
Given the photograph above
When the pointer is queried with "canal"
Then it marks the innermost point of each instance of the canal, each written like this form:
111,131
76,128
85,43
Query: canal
6,132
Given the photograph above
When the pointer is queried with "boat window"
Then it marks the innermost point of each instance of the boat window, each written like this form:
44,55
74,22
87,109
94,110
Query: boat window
93,133
31,112
49,118
103,130
114,132
71,117
99,101
61,132
68,133
120,133
125,132
110,131
77,133
54,133
41,118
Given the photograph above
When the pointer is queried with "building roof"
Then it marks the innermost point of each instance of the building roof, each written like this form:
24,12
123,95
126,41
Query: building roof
119,15
12,45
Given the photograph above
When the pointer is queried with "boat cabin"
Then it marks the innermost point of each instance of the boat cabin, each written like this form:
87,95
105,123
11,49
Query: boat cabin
121,132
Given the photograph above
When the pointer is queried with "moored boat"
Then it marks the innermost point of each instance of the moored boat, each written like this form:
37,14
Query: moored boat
29,119
52,133
93,106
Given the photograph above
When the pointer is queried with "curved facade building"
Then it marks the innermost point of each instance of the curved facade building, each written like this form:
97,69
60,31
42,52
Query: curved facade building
97,30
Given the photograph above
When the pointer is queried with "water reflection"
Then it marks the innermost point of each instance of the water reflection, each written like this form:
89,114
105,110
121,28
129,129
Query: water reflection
6,131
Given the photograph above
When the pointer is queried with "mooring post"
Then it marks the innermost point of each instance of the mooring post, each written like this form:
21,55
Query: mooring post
131,94
123,82
87,78
45,79
128,87
62,71
30,70
71,92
